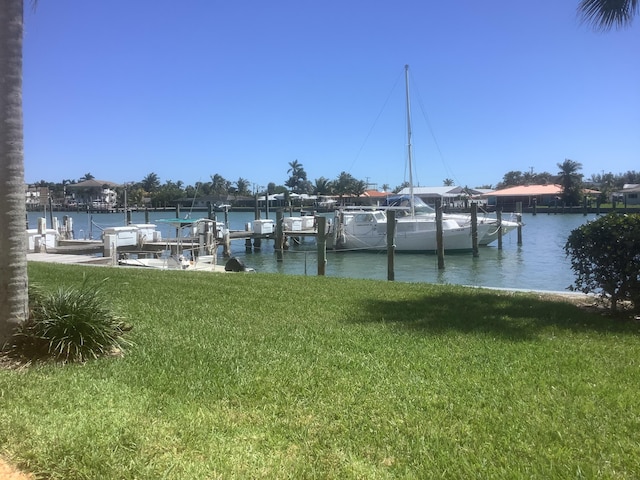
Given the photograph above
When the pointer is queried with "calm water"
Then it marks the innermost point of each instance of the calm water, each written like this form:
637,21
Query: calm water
538,264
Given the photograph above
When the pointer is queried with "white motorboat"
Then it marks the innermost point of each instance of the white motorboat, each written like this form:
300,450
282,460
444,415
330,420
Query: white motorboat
167,261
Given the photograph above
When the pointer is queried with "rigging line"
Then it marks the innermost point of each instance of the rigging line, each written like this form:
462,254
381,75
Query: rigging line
384,105
431,131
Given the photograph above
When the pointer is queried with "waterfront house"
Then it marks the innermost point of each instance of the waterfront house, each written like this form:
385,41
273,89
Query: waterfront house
94,194
630,194
506,199
449,196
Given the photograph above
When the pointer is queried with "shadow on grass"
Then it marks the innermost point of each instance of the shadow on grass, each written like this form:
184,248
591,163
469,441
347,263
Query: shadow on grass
512,317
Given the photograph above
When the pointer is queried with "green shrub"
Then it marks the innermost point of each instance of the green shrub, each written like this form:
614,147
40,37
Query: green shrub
70,324
605,256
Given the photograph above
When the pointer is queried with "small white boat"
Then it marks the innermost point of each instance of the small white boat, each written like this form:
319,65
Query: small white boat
193,249
166,261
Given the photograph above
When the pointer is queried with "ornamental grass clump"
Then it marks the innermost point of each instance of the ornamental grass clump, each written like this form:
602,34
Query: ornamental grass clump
69,324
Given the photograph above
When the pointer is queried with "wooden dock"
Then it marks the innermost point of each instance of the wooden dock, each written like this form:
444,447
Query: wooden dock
69,259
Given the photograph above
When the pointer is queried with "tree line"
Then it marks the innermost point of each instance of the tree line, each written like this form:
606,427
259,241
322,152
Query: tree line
219,188
159,194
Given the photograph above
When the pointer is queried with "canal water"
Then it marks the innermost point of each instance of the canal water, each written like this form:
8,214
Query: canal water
539,263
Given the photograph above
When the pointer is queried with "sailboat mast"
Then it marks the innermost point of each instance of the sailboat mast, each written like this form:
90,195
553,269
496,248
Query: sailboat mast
406,82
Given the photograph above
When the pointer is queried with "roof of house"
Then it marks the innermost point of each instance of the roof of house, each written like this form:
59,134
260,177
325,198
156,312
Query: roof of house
440,191
93,183
526,191
375,194
630,188
532,190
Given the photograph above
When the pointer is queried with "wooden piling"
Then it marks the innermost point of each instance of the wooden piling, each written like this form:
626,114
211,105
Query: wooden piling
439,235
279,234
226,251
321,242
391,244
474,229
177,216
519,220
256,209
499,219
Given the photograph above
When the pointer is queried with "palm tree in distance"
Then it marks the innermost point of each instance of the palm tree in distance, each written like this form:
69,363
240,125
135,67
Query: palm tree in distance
151,182
322,186
605,14
13,249
571,181
297,176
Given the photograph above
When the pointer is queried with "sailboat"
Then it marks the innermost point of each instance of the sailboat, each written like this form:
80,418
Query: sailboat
365,228
489,226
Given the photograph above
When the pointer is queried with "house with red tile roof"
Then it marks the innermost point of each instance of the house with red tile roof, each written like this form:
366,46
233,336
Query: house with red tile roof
529,195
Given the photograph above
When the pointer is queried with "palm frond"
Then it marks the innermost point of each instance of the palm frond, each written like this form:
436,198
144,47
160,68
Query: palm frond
606,14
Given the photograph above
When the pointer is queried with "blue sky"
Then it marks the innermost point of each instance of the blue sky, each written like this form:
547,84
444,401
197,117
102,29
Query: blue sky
120,89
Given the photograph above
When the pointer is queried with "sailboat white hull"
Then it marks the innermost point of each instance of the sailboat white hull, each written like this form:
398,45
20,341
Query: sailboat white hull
489,227
367,230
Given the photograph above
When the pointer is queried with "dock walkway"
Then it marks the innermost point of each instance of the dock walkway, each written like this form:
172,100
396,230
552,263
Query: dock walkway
69,259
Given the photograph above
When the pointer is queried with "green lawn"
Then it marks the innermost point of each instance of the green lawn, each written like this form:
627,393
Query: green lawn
272,376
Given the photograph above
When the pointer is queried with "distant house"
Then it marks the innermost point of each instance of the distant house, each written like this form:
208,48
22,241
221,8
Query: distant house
372,197
450,196
94,194
529,195
630,194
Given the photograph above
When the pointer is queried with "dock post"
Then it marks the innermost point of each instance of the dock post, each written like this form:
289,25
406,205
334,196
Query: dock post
439,235
226,251
279,234
499,218
474,229
177,216
321,242
256,208
391,244
519,220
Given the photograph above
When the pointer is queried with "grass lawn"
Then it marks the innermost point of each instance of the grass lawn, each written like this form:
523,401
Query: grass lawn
272,376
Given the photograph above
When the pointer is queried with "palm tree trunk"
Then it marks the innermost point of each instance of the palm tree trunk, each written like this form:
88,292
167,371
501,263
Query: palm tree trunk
13,249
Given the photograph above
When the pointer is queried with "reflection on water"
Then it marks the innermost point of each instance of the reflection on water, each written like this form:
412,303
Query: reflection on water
538,264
